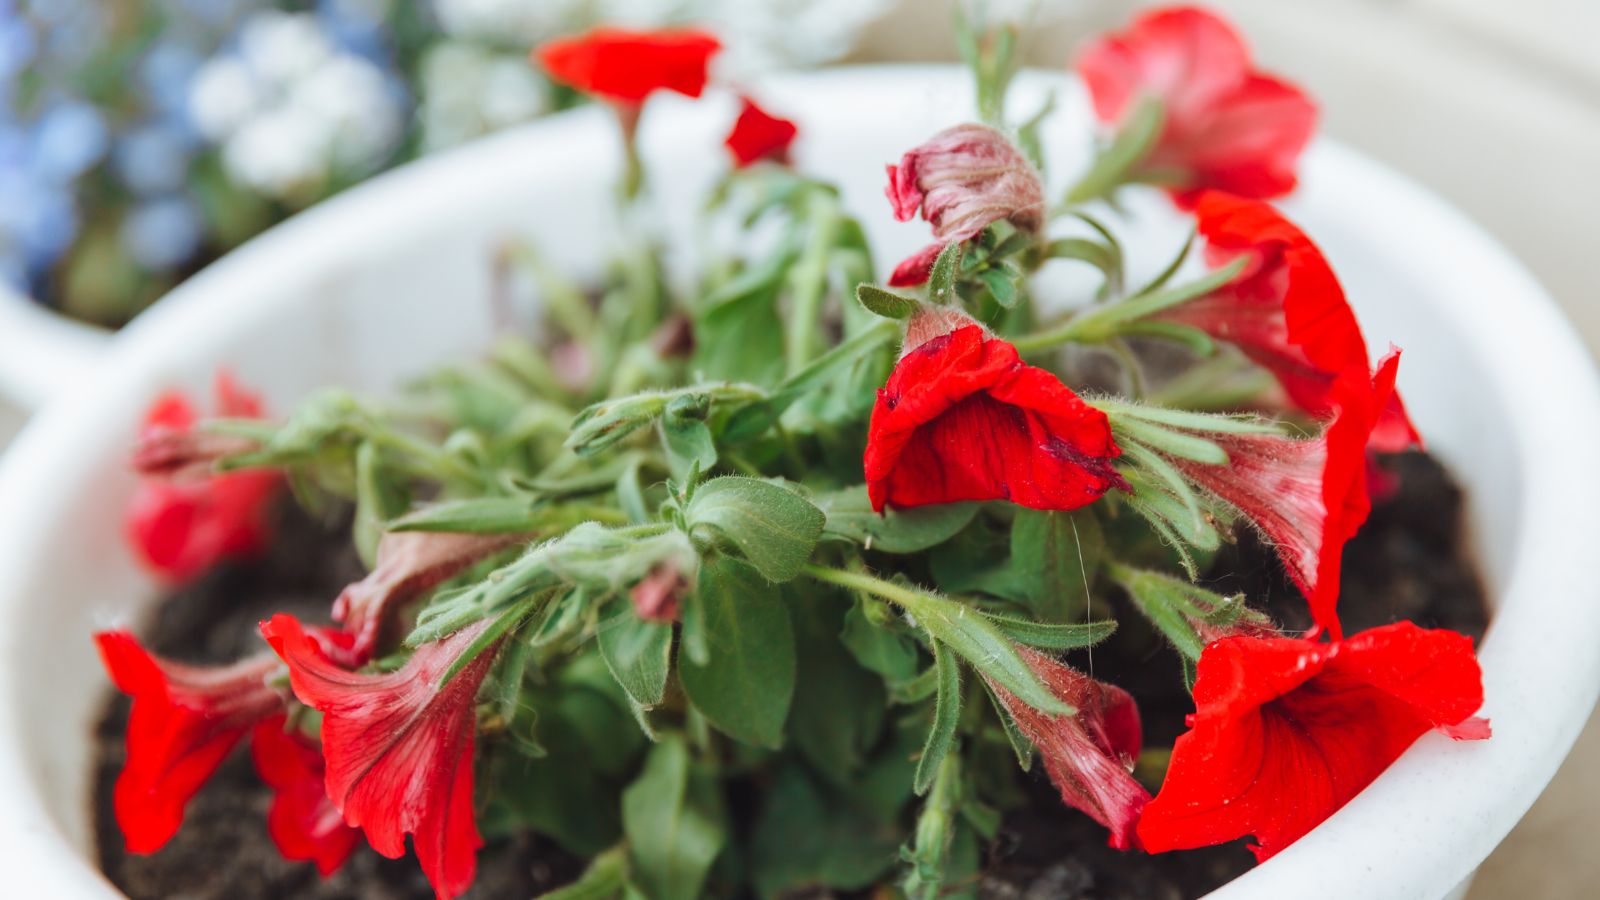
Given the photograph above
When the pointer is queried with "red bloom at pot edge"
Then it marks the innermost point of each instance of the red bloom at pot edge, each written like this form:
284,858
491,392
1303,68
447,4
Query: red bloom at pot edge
180,528
398,746
962,179
1089,756
1286,310
627,66
1286,731
1308,497
1225,125
962,418
185,720
302,820
758,135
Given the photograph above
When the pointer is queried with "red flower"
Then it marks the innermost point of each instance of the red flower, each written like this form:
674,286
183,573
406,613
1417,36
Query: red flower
759,135
1090,755
962,418
1225,124
1286,311
410,563
185,721
398,746
181,528
962,179
1307,496
302,820
1285,731
628,66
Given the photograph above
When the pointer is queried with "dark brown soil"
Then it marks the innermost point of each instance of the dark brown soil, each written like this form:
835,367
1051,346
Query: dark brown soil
223,851
1407,563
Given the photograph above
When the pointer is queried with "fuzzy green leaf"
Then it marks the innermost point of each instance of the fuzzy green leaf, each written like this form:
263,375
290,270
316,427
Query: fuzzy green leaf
1047,636
946,714
772,526
946,270
884,303
638,653
894,656
746,684
478,515
850,516
674,822
1054,559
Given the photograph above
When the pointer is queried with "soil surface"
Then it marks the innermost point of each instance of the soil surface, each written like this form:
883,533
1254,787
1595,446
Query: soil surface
1408,562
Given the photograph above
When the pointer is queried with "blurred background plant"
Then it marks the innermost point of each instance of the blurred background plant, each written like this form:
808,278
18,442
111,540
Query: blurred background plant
141,139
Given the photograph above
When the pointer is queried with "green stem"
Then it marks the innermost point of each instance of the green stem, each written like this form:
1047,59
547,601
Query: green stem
900,596
809,279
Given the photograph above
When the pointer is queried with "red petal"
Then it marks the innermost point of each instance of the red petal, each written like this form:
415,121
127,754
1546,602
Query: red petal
1286,731
398,746
1089,756
302,821
915,269
962,418
628,66
1226,125
759,135
184,722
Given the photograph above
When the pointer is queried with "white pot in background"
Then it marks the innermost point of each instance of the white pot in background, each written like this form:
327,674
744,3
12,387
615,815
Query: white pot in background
394,277
41,351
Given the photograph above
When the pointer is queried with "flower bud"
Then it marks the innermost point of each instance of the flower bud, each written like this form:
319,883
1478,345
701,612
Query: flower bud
963,179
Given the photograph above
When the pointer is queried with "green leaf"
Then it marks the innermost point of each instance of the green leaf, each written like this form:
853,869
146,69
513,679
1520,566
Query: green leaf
1054,559
1001,287
1047,636
884,303
809,837
946,269
983,645
1115,164
379,497
892,655
674,821
1101,256
747,683
757,417
686,436
834,737
946,715
638,653
478,515
772,526
1170,442
604,879
1020,745
849,515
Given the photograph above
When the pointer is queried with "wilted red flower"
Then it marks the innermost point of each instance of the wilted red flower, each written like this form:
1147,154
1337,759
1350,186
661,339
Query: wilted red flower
963,418
1089,755
185,720
1308,497
962,179
398,746
181,528
1286,310
628,66
1225,125
410,563
302,821
758,135
1286,731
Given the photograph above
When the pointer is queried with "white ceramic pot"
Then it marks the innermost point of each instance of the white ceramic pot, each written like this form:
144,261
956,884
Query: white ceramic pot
41,351
393,277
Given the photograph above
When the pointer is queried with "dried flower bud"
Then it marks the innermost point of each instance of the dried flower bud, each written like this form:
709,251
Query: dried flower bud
656,596
184,455
965,178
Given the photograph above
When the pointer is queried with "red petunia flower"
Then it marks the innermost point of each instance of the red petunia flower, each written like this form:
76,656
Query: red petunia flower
1286,731
1286,311
302,821
1225,124
1089,756
410,563
1308,497
758,135
963,418
398,746
185,720
962,179
180,528
628,66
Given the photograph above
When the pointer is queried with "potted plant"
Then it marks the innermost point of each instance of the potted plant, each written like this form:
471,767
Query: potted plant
734,509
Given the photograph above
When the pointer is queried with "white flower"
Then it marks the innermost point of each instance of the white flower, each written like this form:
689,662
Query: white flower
517,21
280,46
224,95
468,91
